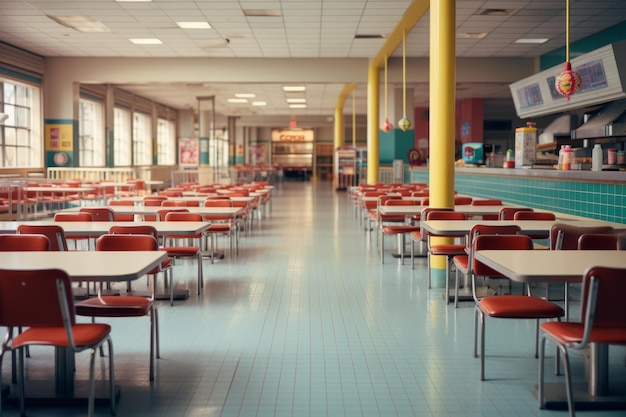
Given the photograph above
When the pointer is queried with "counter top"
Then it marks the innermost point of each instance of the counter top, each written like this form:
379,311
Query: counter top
593,176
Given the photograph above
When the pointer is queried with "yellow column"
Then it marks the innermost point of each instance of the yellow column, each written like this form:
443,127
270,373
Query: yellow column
373,134
442,115
339,122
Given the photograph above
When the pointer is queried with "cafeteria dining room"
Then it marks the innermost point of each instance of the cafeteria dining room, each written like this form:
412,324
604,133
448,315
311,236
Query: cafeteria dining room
298,109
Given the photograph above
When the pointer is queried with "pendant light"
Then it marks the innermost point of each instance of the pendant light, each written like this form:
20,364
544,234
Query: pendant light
567,82
404,123
386,126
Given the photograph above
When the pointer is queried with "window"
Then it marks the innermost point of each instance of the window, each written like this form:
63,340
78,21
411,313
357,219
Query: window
91,133
166,142
142,139
20,136
122,145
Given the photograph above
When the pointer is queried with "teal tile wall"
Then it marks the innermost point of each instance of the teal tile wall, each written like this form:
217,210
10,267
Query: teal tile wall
593,200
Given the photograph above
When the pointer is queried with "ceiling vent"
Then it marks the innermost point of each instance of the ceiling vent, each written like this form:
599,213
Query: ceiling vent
496,12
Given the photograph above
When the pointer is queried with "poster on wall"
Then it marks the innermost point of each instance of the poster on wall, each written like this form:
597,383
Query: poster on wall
189,152
257,154
59,137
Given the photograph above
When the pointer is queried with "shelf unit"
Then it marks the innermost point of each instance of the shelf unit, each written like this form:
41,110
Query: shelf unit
323,167
345,161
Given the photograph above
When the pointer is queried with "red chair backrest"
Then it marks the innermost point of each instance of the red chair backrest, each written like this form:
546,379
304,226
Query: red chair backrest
609,305
126,243
72,217
490,202
23,243
459,201
161,214
598,242
99,214
172,203
134,230
183,217
565,236
29,298
122,217
54,233
533,215
508,213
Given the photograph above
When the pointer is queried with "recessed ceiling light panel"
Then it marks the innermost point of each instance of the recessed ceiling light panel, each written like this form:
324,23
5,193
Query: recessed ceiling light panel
193,25
146,41
294,88
532,40
478,35
237,100
262,12
245,95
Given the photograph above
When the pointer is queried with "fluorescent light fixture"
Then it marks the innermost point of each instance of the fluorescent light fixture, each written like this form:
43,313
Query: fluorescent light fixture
294,88
259,103
193,25
237,100
81,23
296,100
262,12
133,1
146,41
538,41
245,95
297,106
478,35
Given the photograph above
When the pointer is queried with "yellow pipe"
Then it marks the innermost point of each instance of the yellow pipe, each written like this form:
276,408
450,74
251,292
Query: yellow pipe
339,125
373,134
442,118
442,103
413,14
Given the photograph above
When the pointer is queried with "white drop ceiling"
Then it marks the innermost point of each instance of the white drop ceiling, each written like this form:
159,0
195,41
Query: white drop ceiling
294,29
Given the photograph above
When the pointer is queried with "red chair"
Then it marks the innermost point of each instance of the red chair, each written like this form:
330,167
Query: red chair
602,321
462,261
99,214
184,251
449,250
488,202
42,301
118,217
152,201
400,230
74,217
166,265
508,213
220,226
504,306
127,305
461,201
535,215
598,242
24,242
54,233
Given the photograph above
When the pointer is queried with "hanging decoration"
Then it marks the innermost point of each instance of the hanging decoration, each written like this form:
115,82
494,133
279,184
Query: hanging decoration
567,82
386,126
404,123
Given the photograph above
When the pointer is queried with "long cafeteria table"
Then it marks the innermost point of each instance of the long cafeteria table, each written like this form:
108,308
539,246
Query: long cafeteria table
81,266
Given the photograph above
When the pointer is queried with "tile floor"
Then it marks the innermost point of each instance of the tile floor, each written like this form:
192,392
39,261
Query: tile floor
307,322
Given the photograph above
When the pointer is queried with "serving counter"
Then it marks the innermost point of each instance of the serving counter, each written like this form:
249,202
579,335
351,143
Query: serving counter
593,194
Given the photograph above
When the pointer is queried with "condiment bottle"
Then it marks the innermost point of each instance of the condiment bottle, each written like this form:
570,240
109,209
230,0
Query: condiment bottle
596,158
567,157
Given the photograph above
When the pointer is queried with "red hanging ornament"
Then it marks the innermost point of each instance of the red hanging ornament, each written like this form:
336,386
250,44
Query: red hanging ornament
567,82
386,126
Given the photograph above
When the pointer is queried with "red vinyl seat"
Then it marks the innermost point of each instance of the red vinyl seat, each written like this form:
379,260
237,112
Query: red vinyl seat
42,301
602,321
504,306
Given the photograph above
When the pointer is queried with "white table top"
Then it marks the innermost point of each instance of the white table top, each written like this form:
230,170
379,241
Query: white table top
200,198
87,265
102,228
456,227
59,189
142,210
549,265
467,209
